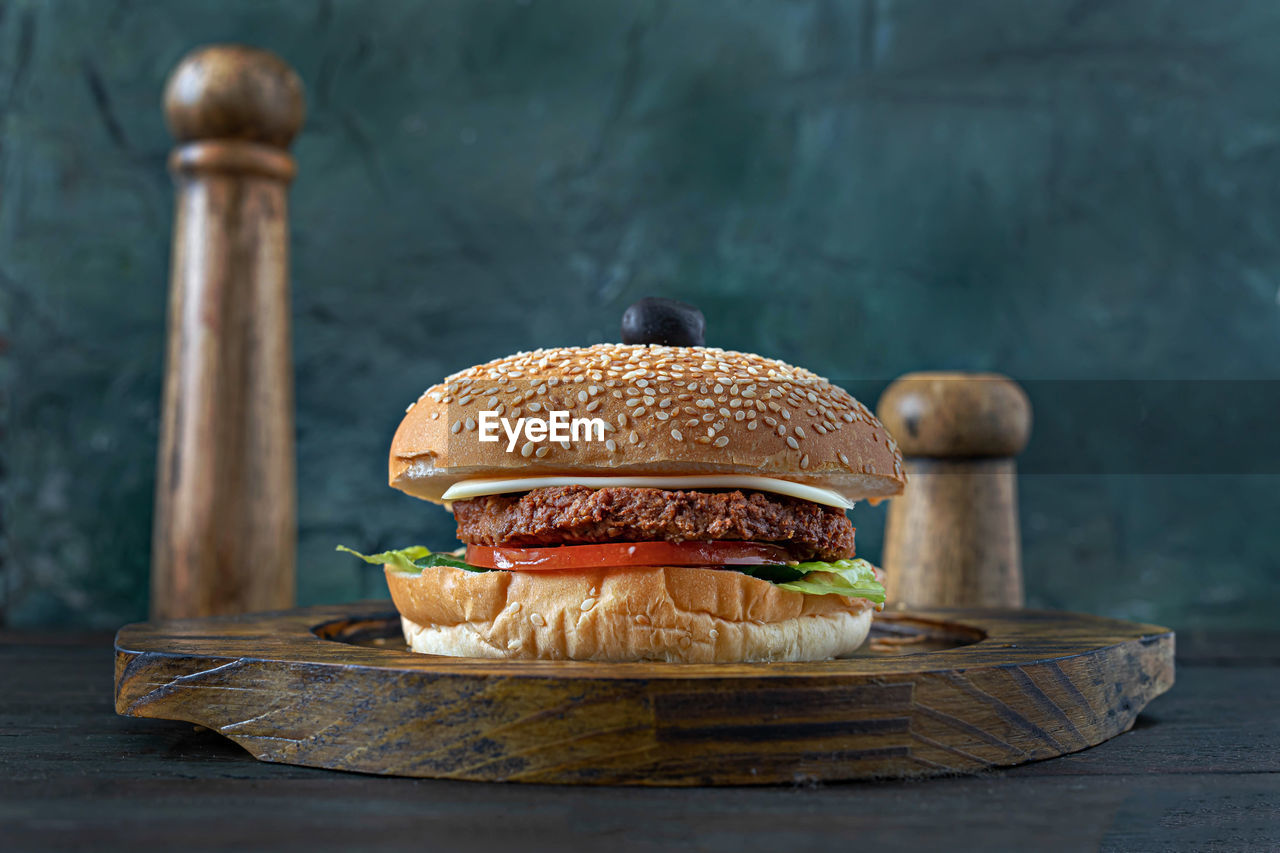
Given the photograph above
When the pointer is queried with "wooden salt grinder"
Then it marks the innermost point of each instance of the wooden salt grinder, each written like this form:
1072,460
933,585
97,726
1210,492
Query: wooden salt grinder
952,538
225,529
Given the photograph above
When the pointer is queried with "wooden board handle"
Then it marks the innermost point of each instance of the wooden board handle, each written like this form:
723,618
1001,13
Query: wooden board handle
225,529
952,538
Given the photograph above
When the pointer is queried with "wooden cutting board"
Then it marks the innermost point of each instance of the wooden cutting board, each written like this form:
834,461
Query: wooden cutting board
932,693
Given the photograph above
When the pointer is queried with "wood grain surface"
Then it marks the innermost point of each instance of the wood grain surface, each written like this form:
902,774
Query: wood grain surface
224,530
326,687
1199,770
952,538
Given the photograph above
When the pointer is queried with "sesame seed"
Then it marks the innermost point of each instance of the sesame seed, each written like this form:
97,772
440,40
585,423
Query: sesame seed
565,444
782,429
456,428
634,438
582,396
751,425
844,459
798,431
611,446
470,423
633,402
537,619
662,416
435,416
804,461
542,451
677,435
721,441
593,405
527,450
792,443
639,412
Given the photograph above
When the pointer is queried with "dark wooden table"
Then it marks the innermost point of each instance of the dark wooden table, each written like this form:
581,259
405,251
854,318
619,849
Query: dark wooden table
1199,771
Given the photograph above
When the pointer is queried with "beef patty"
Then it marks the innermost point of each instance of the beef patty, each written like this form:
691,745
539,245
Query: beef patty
577,515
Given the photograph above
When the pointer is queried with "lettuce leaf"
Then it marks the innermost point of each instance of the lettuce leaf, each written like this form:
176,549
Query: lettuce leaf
414,559
854,578
771,573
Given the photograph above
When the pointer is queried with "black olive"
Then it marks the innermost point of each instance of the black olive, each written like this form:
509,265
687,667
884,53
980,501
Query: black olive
654,320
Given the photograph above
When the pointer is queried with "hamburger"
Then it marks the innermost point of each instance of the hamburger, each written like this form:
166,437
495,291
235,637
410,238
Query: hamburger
629,502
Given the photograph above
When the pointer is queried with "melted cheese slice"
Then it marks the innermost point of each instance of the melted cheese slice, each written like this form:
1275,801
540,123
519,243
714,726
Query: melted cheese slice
466,489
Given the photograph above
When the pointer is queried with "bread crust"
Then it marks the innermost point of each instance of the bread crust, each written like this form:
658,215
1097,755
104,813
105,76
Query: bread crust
674,614
699,411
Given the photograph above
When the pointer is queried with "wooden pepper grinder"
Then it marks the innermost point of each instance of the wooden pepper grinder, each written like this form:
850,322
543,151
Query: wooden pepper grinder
225,529
952,538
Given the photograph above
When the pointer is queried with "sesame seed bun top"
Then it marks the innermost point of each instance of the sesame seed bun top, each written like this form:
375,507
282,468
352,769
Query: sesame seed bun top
667,411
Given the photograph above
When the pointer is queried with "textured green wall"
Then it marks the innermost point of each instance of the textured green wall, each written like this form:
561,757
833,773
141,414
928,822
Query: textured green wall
1057,190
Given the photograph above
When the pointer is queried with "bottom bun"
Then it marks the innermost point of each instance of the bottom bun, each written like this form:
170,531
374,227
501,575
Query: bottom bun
673,614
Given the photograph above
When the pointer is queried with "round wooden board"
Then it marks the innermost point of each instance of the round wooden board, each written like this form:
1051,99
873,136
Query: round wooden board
933,693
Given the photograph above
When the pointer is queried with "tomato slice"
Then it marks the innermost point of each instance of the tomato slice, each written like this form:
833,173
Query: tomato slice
619,554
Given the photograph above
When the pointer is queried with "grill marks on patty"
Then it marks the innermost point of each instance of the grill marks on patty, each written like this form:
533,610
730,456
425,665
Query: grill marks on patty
578,515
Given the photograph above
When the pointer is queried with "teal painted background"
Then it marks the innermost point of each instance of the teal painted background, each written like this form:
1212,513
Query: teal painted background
1056,190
